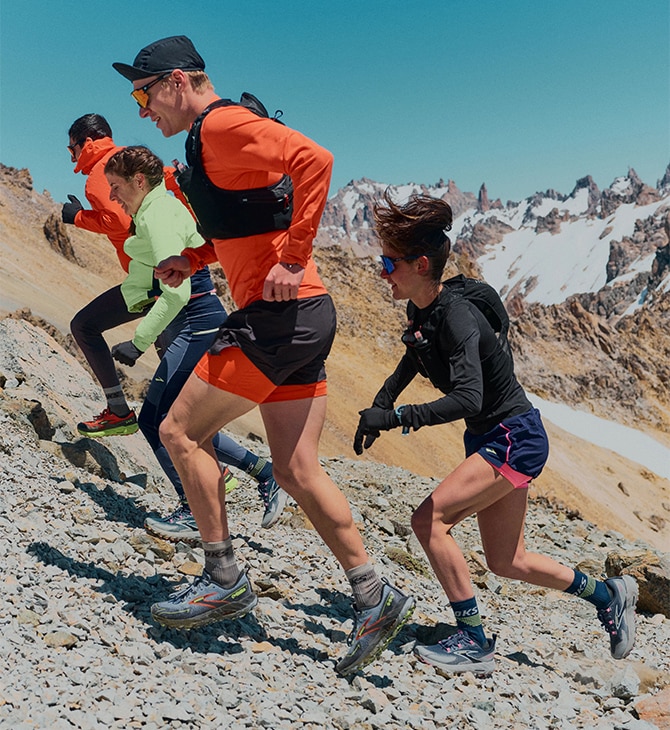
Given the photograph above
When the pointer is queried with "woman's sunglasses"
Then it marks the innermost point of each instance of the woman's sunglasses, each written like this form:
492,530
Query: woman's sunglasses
141,96
389,263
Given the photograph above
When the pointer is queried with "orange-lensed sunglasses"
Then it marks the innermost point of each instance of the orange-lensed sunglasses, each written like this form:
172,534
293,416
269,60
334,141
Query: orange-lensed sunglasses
141,96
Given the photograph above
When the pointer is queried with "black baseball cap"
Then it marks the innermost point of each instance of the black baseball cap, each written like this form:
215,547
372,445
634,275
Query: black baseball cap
177,51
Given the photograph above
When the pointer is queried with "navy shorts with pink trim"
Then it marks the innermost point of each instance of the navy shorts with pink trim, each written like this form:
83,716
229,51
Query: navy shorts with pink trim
517,447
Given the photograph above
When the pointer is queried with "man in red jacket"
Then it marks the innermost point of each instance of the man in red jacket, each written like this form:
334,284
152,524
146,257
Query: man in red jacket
91,145
258,190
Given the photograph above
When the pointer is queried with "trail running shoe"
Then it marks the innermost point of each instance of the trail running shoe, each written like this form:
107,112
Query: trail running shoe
109,424
230,481
274,499
375,628
180,526
205,602
619,616
459,653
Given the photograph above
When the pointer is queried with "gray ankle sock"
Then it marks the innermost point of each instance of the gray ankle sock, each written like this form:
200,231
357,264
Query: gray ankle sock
116,401
366,585
220,562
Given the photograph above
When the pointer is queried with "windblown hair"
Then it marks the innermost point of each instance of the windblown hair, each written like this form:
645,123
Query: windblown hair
130,160
94,126
416,228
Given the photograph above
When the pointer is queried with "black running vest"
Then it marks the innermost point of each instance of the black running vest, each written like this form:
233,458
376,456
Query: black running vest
224,213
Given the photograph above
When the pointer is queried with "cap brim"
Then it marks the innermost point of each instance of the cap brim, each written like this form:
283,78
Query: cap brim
132,73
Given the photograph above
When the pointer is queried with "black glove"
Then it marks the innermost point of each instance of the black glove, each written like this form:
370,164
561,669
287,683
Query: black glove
71,209
126,353
372,421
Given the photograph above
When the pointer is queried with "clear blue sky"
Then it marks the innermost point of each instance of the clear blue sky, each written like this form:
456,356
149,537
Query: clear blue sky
522,95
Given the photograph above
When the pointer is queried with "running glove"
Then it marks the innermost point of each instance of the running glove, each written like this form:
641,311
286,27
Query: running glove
372,421
70,210
126,353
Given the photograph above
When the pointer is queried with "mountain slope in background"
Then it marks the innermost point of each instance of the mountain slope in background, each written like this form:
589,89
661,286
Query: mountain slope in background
573,352
585,276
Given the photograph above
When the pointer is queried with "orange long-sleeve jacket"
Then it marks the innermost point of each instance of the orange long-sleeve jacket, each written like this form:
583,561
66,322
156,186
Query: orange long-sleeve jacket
241,150
105,216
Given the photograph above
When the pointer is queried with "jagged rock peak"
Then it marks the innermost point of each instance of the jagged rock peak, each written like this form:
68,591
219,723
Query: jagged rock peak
585,182
664,183
629,189
483,199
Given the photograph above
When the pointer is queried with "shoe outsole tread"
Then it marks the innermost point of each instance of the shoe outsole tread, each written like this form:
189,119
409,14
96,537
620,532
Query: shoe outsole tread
173,537
115,431
211,617
486,669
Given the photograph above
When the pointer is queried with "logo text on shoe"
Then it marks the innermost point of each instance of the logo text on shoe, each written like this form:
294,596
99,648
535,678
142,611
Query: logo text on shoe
367,628
207,600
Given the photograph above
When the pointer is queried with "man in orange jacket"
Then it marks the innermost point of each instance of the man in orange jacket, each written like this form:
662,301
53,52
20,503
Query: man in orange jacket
258,190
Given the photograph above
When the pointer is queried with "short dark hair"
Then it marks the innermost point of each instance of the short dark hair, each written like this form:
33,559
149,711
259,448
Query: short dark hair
130,160
94,126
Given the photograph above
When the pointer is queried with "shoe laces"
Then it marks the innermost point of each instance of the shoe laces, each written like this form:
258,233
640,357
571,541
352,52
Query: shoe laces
182,511
185,591
459,640
267,490
605,618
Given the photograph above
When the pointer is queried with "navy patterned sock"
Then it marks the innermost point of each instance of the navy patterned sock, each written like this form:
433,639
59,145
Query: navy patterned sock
591,590
257,467
469,620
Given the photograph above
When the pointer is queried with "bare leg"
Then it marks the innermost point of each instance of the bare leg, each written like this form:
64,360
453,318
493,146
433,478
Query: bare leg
476,487
501,527
197,414
294,429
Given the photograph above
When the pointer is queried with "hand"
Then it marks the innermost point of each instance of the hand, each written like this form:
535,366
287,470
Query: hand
282,282
126,353
370,438
173,270
372,421
70,210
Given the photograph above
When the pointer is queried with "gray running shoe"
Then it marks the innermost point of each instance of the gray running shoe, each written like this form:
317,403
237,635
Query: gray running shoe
460,653
205,602
180,526
619,616
274,499
375,628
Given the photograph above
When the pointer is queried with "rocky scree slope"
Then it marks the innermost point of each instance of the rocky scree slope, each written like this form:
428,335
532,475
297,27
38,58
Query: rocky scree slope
79,648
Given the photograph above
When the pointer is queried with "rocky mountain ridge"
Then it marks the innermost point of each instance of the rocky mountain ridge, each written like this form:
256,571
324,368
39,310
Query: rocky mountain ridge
604,350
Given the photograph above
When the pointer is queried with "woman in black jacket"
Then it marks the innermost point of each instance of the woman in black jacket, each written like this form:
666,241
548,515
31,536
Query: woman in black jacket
450,340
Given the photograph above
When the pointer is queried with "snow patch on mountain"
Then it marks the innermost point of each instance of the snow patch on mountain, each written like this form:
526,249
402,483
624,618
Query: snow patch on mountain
550,267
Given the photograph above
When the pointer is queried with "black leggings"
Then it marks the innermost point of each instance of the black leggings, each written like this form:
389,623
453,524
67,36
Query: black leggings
105,312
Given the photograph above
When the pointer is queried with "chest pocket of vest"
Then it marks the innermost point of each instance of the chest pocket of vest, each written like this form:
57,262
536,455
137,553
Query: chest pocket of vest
428,361
236,213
